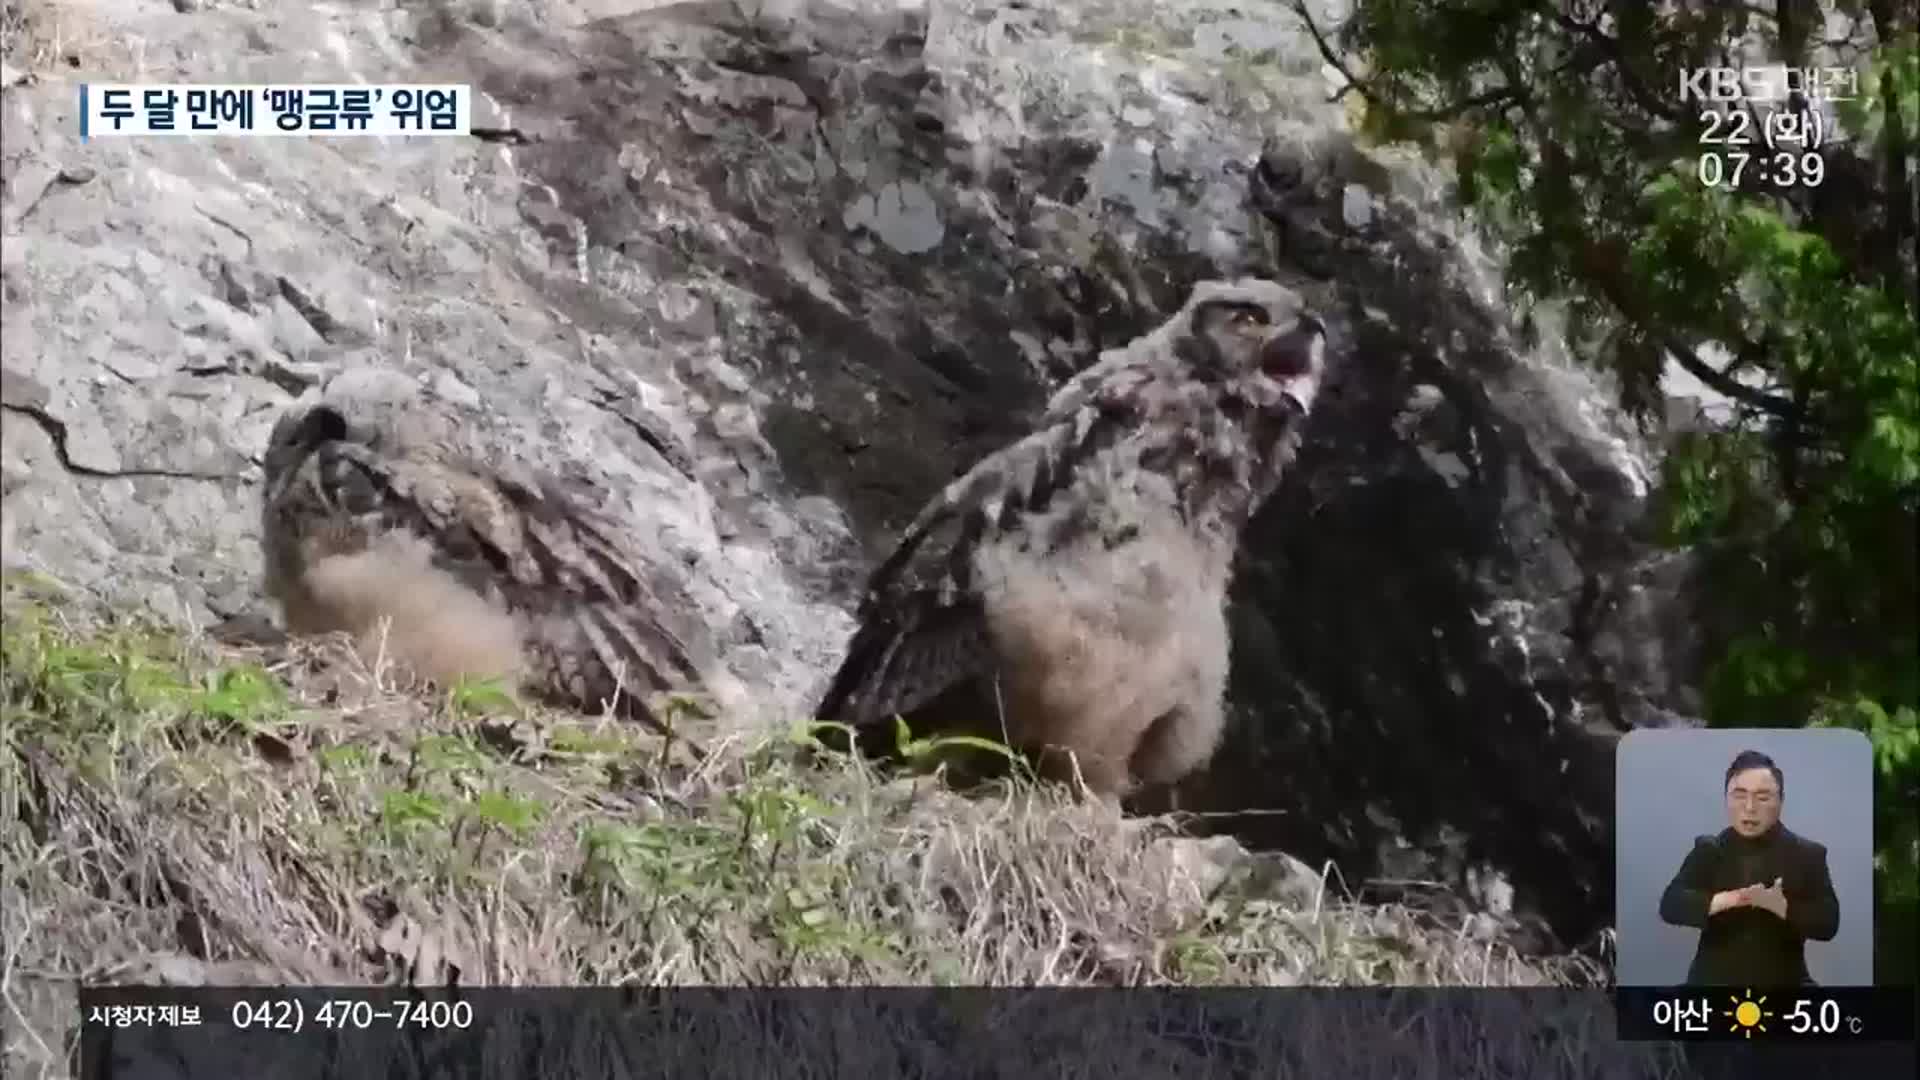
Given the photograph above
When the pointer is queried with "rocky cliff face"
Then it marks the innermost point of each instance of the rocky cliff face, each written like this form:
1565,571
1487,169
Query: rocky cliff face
777,274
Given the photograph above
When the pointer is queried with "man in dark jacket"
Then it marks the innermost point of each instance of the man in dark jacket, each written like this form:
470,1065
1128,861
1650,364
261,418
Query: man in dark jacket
1757,891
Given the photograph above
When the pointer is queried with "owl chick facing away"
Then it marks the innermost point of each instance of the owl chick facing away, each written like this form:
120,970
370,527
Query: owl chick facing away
404,518
1067,595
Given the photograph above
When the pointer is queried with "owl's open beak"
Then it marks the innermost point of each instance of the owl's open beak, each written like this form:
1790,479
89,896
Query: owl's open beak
1295,358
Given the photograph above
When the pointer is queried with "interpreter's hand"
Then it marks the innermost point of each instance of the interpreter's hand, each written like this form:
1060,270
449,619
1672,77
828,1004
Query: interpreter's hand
1770,897
1728,900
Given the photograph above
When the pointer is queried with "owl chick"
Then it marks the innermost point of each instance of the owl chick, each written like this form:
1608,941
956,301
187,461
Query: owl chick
405,519
1067,595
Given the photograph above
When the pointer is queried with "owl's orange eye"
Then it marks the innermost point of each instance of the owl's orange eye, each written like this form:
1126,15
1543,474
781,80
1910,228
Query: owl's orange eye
1246,318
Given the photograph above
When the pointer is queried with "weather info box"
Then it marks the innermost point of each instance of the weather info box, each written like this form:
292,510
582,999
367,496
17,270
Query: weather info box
283,109
1797,1014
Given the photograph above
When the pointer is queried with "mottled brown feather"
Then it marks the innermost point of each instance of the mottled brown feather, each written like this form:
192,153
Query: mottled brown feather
1073,583
402,517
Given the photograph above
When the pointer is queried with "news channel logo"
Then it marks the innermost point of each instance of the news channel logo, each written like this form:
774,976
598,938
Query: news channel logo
1764,83
109,110
1744,858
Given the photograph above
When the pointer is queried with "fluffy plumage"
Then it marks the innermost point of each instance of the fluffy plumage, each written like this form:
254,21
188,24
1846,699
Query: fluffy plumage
1067,594
405,519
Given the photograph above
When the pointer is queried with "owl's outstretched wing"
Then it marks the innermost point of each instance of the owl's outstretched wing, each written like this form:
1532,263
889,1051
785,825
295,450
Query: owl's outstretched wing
922,630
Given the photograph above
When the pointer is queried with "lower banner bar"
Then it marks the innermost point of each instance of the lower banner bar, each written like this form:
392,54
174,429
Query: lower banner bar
306,1033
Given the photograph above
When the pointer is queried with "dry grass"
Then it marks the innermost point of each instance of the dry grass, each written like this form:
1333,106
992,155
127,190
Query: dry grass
182,812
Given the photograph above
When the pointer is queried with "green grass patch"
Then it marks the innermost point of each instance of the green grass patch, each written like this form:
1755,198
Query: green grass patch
264,817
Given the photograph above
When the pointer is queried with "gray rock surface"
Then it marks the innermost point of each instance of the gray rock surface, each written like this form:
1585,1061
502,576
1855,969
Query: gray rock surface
783,269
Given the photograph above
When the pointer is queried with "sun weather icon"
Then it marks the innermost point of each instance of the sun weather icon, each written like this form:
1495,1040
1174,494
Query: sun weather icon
1749,1014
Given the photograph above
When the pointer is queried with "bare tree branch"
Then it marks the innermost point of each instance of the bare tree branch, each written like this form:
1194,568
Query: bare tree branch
1729,387
1642,96
1502,95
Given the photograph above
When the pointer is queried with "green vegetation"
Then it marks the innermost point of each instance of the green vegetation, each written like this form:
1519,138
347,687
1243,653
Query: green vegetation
171,809
1573,145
